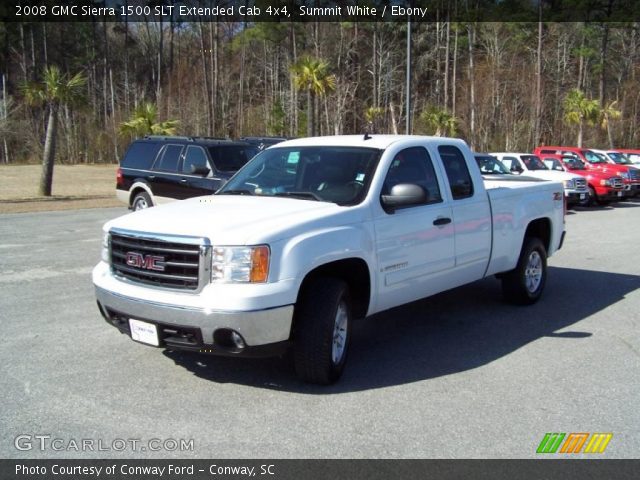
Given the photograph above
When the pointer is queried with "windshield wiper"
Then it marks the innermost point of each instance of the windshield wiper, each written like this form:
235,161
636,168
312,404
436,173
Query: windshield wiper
303,195
236,192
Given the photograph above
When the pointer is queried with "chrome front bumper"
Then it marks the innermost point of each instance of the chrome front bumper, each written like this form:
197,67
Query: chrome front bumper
259,327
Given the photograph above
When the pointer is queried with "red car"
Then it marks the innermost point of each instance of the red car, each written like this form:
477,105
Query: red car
594,161
603,187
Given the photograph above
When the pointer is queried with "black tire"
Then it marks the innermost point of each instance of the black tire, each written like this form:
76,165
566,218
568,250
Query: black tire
316,317
141,201
593,197
524,284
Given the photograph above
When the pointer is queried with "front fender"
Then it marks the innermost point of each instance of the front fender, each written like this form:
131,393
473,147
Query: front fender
304,253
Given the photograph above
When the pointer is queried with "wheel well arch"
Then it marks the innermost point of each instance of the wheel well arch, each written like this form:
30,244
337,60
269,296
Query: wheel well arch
355,272
540,228
138,187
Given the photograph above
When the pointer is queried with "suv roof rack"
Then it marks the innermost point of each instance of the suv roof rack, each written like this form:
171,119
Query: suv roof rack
167,137
219,139
191,138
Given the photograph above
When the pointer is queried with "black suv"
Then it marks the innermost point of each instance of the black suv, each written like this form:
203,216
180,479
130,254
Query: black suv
157,169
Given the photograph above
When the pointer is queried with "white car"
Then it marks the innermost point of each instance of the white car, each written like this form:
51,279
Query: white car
316,232
575,186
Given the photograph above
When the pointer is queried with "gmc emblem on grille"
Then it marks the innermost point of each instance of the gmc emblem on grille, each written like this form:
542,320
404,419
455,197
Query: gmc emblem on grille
148,262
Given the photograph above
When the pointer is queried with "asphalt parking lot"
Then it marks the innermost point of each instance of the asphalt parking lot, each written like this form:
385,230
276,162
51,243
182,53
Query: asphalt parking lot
459,375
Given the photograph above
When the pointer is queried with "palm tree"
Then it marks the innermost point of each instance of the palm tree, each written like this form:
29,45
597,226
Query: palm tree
54,90
608,113
144,122
312,74
373,115
578,109
439,121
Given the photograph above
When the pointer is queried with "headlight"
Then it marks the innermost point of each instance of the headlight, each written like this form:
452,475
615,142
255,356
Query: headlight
568,183
240,264
606,182
105,247
624,175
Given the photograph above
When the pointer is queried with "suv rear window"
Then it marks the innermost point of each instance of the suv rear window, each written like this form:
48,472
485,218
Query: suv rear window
230,158
140,155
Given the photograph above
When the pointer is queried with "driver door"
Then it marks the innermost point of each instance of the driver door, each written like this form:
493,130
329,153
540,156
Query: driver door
414,245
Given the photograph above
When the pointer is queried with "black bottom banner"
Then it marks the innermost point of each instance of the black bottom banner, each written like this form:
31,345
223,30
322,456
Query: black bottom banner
582,469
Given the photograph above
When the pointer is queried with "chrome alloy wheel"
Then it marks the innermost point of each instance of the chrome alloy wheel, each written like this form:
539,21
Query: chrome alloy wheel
340,333
533,272
140,204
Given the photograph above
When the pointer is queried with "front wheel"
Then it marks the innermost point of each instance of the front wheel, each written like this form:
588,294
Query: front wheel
322,331
524,284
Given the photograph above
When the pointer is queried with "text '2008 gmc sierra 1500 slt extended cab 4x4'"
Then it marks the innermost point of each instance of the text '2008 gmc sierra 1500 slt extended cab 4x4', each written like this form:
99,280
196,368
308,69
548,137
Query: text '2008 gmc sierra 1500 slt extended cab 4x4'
314,233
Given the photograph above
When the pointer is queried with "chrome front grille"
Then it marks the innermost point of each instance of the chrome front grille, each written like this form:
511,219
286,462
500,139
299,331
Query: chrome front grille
165,261
616,182
580,183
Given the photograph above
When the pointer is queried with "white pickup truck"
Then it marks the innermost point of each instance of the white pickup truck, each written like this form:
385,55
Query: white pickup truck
316,232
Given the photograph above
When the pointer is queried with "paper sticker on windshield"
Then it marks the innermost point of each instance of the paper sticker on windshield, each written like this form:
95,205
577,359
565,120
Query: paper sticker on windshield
360,177
293,158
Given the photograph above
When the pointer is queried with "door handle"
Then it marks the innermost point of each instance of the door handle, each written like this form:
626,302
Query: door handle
183,180
441,221
151,177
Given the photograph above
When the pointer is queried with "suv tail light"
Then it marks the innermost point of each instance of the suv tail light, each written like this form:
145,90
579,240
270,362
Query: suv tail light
119,177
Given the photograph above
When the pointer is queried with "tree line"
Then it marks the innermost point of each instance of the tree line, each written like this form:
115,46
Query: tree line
500,86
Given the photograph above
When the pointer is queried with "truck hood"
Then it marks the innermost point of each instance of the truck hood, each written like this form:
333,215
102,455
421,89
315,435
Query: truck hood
610,168
237,220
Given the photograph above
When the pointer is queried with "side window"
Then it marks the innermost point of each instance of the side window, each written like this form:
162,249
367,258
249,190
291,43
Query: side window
457,171
507,162
170,158
195,157
512,164
413,165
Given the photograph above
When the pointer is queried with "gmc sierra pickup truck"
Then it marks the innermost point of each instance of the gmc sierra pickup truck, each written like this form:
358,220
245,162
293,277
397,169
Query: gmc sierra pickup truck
314,233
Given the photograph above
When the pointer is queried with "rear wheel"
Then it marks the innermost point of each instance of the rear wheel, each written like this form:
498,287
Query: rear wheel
141,201
322,330
524,284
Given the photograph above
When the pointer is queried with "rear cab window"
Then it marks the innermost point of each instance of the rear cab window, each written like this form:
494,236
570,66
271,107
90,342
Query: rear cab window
140,155
457,172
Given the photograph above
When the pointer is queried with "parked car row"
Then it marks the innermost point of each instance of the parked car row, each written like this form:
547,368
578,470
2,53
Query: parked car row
157,169
589,176
610,175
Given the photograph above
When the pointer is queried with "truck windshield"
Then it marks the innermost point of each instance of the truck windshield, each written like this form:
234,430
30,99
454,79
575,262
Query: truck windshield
593,157
533,162
619,158
332,174
490,165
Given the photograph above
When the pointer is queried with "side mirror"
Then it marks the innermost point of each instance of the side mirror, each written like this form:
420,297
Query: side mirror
517,169
403,195
200,170
559,168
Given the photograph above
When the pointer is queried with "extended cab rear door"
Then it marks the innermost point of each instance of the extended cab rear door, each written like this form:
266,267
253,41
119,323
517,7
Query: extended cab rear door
471,213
